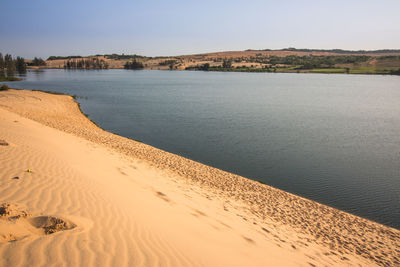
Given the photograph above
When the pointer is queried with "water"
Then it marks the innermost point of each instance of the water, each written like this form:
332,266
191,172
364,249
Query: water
331,138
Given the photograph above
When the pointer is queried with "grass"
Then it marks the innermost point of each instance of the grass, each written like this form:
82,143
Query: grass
352,70
4,87
328,70
9,79
372,70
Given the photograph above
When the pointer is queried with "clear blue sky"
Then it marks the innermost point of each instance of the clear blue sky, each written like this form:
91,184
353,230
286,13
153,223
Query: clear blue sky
53,27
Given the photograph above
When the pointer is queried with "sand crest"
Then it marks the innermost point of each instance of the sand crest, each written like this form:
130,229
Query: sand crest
98,199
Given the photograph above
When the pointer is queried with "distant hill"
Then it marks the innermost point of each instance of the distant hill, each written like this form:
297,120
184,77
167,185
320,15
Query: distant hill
383,61
337,51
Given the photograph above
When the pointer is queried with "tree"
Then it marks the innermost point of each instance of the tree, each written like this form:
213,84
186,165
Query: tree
395,72
20,65
92,63
80,64
133,65
9,65
205,67
1,66
227,64
38,62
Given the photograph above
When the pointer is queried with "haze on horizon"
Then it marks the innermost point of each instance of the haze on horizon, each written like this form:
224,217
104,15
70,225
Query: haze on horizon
155,28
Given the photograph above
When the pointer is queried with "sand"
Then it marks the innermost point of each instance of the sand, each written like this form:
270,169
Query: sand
72,194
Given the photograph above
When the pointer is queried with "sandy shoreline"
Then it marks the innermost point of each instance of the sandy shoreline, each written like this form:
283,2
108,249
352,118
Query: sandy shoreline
133,204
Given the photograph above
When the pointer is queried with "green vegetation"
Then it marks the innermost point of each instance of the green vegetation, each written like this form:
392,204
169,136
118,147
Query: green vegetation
133,65
395,72
170,62
345,64
37,62
354,70
60,57
108,56
227,63
9,66
4,87
374,70
93,63
20,65
311,62
121,57
167,62
389,57
207,67
329,71
9,79
339,51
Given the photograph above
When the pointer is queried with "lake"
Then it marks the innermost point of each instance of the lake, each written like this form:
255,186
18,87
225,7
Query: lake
332,138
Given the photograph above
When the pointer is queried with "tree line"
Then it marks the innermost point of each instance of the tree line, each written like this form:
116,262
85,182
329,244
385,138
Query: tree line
9,67
338,51
123,56
60,57
37,62
93,63
311,61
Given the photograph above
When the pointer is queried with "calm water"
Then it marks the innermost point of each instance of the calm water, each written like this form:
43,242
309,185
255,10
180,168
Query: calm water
331,138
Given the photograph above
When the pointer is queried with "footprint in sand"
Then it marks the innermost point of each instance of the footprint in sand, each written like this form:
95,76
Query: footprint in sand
17,224
162,196
248,239
3,143
50,224
122,172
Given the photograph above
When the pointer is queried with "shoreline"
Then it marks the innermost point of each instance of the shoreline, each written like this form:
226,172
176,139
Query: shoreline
232,71
75,97
345,237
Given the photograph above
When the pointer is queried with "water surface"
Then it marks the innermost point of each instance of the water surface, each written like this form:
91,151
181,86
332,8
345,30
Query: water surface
331,138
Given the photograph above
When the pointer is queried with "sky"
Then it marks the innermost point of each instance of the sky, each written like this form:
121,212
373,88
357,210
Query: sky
44,28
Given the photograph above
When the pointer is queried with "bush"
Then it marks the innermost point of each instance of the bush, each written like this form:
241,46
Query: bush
134,65
4,87
227,64
395,72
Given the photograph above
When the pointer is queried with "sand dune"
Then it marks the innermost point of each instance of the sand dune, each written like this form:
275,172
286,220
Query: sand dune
75,195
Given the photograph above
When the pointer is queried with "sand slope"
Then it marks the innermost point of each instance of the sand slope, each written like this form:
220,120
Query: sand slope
91,198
